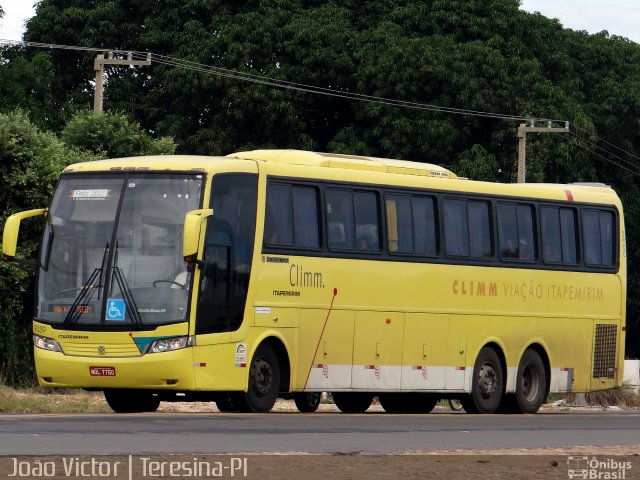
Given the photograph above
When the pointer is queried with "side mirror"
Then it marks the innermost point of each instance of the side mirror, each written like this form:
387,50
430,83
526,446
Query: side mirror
192,226
12,228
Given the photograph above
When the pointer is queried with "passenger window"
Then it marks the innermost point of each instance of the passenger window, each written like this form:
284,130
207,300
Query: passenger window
515,232
278,222
340,219
456,227
467,228
366,215
479,229
424,222
597,228
352,220
399,223
305,217
558,235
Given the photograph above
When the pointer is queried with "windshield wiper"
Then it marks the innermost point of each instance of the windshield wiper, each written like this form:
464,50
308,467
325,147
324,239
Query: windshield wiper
127,295
86,291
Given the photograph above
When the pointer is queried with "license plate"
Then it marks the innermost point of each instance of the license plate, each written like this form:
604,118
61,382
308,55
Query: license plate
102,371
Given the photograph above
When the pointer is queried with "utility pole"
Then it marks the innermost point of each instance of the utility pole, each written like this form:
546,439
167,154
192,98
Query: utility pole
523,129
98,66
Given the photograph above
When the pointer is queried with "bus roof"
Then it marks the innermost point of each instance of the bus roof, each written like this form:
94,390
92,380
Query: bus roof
415,174
350,162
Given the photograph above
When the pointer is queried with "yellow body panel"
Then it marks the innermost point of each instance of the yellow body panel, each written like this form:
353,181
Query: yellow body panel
392,325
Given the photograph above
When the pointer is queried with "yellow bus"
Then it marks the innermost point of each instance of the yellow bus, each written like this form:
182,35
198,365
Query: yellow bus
273,273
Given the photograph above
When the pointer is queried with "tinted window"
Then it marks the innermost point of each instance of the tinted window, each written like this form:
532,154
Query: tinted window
515,231
305,217
467,228
424,222
558,235
366,216
399,223
479,229
340,221
597,228
228,251
352,220
278,222
456,227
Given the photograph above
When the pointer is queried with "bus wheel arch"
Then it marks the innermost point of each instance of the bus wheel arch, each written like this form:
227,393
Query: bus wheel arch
282,354
487,381
265,376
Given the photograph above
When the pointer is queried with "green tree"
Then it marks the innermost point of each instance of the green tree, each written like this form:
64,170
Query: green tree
111,136
31,161
476,55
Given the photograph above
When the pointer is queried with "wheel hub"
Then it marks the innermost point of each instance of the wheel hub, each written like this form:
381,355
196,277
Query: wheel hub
263,376
487,380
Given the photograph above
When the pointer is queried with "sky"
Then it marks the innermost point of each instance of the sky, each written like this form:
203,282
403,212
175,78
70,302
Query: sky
619,17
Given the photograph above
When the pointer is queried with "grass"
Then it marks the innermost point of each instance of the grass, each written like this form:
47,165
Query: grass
621,397
39,400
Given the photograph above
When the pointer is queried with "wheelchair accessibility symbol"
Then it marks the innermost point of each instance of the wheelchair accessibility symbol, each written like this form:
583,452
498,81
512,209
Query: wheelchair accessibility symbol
116,309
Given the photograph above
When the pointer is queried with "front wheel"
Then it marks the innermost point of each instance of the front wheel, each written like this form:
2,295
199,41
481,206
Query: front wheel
307,402
131,401
487,384
531,382
264,380
352,402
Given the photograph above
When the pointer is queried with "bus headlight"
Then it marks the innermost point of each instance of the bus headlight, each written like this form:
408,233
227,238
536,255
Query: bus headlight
46,343
169,344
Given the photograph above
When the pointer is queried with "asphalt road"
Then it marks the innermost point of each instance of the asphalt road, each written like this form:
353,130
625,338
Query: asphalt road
315,433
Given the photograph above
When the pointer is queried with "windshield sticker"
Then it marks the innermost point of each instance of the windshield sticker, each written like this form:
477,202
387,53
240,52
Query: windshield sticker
93,194
116,310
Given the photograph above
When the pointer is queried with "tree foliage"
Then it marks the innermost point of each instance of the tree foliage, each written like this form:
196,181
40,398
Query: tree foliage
476,55
112,136
30,162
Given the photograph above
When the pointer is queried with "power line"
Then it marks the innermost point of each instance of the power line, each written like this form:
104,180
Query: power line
332,92
608,143
283,84
593,152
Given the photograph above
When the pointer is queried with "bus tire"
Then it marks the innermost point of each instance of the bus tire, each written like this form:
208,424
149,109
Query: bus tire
531,382
131,401
352,402
487,383
227,403
509,404
264,381
407,402
307,402
455,405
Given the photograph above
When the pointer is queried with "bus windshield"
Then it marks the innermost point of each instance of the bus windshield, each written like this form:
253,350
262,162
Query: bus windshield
112,250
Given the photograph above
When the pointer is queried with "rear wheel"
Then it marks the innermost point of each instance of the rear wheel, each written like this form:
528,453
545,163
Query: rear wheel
352,402
531,382
131,401
407,402
307,402
264,380
487,384
455,405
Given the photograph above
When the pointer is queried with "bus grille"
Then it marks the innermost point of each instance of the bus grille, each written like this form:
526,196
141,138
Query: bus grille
604,351
100,350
